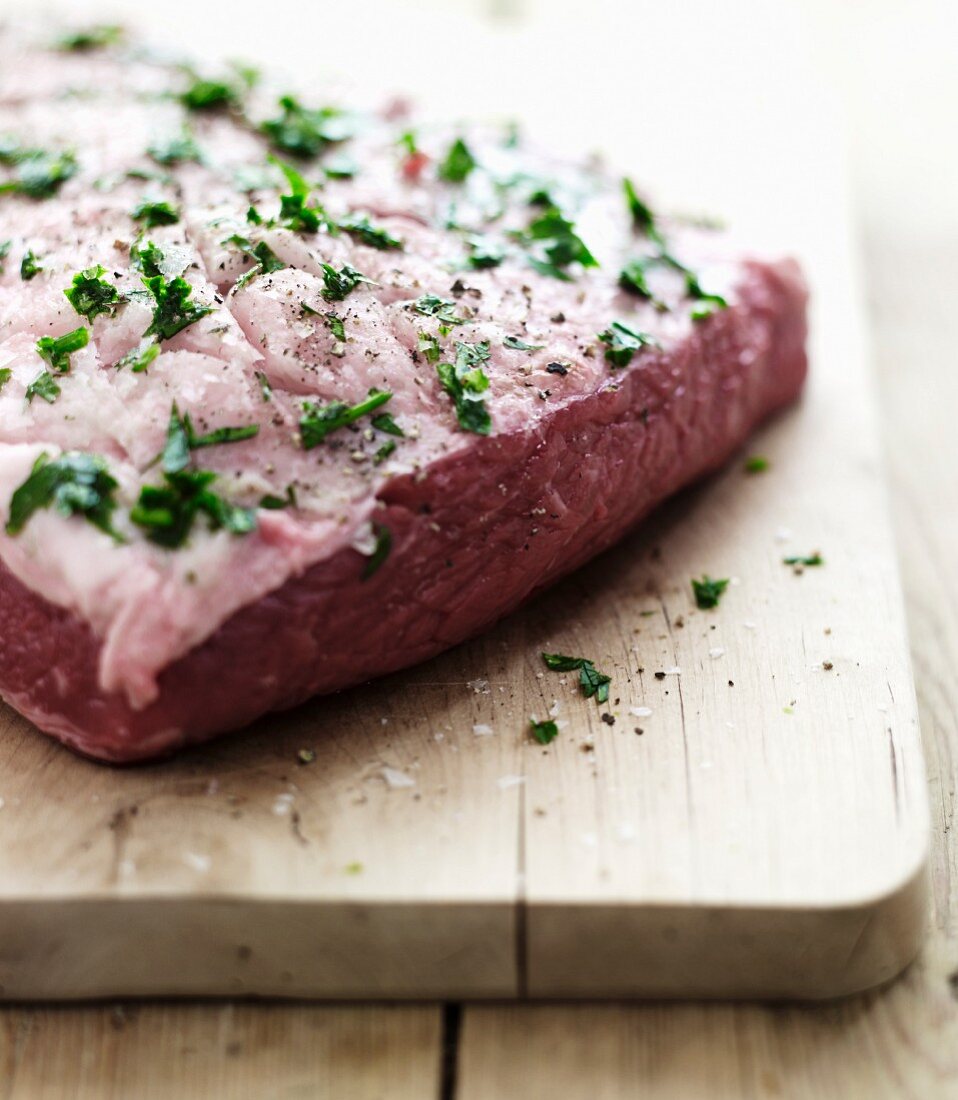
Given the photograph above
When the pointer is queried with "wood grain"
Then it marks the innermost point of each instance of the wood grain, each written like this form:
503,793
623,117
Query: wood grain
765,834
280,1052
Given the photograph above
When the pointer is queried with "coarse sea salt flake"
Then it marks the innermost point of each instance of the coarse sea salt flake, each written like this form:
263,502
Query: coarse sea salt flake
504,782
716,651
198,862
640,712
396,779
480,729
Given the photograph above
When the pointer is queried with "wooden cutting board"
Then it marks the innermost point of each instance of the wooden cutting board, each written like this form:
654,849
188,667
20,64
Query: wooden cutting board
761,832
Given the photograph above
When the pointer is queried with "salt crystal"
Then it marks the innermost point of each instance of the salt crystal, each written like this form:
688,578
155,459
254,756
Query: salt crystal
395,778
626,831
783,534
554,709
504,782
197,862
640,712
748,624
590,840
673,671
716,651
480,687
480,729
282,804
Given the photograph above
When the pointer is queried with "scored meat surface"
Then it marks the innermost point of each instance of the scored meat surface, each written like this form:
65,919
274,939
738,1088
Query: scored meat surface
293,395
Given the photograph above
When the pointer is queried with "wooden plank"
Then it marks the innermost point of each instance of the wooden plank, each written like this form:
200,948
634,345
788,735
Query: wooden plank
902,1041
762,838
195,1052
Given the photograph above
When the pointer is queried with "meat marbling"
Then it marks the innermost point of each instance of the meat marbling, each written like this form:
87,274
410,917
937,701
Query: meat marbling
370,550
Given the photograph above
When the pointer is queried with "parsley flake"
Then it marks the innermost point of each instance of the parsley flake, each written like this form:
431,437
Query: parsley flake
318,421
466,382
444,309
208,95
384,544
708,592
800,560
91,38
516,344
76,483
304,132
30,266
553,244
139,358
90,294
338,284
44,386
543,732
360,227
591,681
173,310
623,342
458,162
38,174
56,350
756,464
642,217
176,149
156,213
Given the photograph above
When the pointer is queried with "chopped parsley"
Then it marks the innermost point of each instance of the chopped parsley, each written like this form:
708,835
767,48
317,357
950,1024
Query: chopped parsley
337,284
91,38
429,348
642,217
810,559
706,305
208,95
45,386
516,344
553,244
335,324
30,265
443,309
73,484
466,382
484,253
385,423
167,512
173,310
265,388
384,452
318,421
458,162
5,375
623,342
294,211
156,213
90,294
38,174
360,227
304,132
5,247
708,592
265,258
756,464
56,350
176,149
634,277
384,543
591,681
543,732
340,167
140,357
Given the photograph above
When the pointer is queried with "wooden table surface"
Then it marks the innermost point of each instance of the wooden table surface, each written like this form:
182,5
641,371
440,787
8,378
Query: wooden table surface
894,62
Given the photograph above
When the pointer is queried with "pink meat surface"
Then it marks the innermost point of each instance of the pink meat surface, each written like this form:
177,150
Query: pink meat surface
370,550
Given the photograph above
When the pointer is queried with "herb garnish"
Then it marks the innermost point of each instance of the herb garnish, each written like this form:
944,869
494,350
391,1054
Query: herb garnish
30,265
266,259
465,382
156,213
73,484
56,350
811,559
168,512
385,423
623,342
554,237
91,38
39,174
90,294
45,386
318,421
543,732
516,344
756,464
634,276
384,543
208,95
484,253
294,213
173,310
335,324
591,681
5,375
360,227
5,247
443,309
458,162
140,357
642,217
708,592
305,132
175,150
337,284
